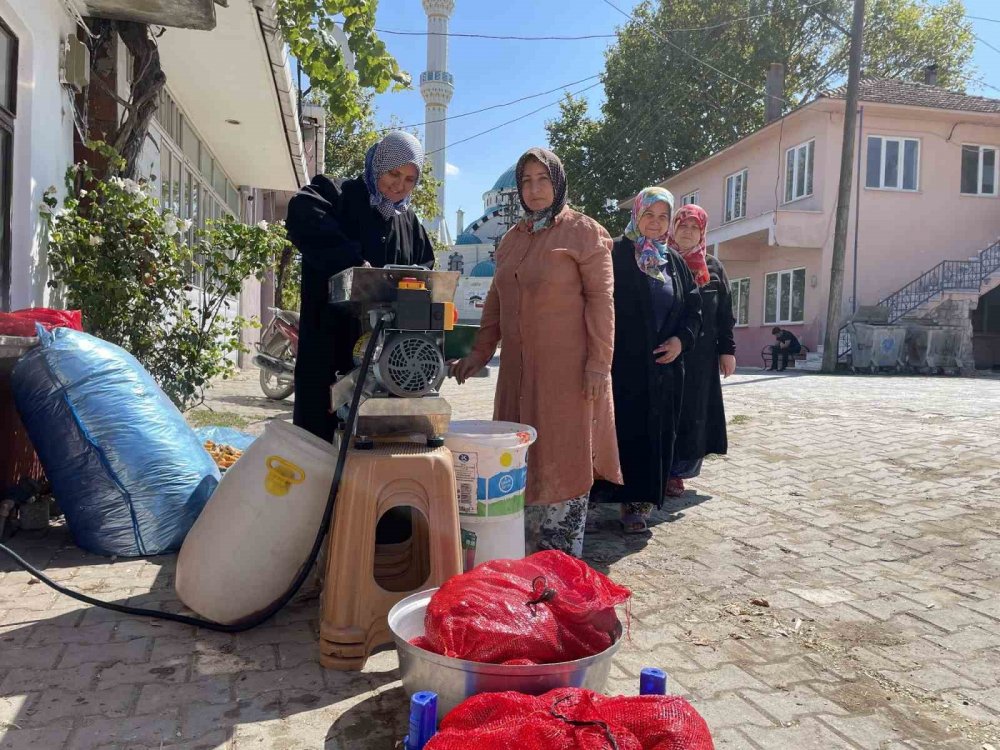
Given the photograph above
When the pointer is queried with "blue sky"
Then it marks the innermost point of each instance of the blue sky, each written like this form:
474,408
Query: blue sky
489,72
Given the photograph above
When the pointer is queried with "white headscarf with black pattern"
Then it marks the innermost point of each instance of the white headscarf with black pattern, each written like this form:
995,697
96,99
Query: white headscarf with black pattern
395,150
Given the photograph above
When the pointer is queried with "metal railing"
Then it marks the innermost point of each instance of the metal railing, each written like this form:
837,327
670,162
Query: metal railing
946,276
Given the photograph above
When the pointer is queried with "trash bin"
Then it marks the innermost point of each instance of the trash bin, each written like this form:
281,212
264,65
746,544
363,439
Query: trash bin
875,346
930,347
17,459
491,473
942,347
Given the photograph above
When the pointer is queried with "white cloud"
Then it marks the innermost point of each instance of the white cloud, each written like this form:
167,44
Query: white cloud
450,169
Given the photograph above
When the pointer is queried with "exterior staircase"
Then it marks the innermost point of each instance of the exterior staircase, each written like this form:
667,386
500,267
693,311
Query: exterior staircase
949,279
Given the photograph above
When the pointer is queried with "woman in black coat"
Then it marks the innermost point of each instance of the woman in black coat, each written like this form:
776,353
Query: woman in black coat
657,320
702,427
338,224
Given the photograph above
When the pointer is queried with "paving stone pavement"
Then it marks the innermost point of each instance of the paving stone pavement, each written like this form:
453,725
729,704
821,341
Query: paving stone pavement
833,583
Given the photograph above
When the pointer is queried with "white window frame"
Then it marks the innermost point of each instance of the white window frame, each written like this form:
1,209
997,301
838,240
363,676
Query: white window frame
901,140
210,204
735,285
979,176
808,183
693,197
790,273
738,209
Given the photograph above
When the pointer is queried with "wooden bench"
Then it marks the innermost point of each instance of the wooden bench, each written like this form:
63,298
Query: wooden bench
765,356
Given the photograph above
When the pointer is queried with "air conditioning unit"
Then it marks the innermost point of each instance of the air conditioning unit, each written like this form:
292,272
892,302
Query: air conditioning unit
76,64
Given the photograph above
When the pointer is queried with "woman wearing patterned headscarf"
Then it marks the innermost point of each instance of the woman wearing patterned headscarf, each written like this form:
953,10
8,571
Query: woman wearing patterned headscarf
702,427
551,306
337,224
658,317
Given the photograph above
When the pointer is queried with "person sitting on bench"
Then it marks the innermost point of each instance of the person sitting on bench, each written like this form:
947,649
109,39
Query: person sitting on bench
787,345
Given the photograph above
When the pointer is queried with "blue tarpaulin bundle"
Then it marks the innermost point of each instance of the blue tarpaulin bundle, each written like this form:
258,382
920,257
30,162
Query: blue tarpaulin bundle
126,469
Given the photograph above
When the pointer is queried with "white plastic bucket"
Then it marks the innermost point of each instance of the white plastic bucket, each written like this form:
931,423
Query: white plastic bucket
258,527
491,472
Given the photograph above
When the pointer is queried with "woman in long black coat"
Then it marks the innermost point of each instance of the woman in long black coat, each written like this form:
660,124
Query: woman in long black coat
702,427
338,224
657,320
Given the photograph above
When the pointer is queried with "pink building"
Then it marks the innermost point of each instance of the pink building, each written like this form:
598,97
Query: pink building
928,193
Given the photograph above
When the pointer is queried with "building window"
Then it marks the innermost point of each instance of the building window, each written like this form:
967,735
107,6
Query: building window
784,296
739,289
193,184
799,171
893,163
8,112
691,198
736,196
979,170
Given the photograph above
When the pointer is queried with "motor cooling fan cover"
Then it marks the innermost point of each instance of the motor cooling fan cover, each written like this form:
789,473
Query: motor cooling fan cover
410,365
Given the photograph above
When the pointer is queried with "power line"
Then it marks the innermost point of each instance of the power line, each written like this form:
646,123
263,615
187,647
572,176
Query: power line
680,49
510,122
731,21
497,36
719,25
981,18
983,41
495,106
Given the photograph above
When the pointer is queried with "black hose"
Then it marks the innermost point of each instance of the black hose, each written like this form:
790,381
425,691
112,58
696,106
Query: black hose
278,604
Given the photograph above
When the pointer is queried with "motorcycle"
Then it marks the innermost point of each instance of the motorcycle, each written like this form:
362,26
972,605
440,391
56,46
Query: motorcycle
277,349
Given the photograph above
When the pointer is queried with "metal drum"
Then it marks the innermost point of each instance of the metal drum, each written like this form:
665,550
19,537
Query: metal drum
454,680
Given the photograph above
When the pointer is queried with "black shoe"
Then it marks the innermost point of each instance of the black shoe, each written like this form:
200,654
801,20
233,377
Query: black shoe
781,369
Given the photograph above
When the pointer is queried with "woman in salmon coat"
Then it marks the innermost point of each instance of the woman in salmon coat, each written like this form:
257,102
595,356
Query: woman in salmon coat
551,304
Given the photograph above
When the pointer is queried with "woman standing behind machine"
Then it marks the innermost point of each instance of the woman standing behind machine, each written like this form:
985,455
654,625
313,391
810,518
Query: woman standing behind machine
702,427
337,224
551,304
658,316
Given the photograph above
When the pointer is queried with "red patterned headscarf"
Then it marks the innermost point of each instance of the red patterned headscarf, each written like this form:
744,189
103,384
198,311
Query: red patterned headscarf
696,256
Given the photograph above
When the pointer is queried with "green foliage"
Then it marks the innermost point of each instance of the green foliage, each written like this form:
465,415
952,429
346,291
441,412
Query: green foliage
129,268
664,110
308,27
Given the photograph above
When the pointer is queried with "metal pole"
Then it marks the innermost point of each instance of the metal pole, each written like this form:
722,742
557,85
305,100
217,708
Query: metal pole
857,213
831,343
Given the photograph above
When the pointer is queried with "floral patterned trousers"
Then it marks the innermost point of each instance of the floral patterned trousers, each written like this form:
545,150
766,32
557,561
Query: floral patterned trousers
557,526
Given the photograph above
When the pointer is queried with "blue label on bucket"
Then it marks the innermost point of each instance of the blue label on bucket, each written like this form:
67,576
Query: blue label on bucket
502,484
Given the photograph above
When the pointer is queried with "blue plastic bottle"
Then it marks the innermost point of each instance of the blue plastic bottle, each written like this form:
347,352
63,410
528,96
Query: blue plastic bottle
423,720
652,681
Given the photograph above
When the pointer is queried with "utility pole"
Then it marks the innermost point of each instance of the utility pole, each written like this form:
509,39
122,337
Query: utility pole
831,342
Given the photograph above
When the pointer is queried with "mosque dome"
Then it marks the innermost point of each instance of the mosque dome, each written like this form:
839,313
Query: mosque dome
467,238
484,269
508,180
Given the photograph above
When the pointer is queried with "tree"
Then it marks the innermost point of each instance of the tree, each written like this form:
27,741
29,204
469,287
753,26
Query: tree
346,146
309,27
129,266
665,110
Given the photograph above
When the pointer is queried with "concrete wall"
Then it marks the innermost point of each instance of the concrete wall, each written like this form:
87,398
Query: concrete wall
43,144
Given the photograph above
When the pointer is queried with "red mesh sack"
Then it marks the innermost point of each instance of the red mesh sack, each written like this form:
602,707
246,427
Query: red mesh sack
22,322
546,608
572,719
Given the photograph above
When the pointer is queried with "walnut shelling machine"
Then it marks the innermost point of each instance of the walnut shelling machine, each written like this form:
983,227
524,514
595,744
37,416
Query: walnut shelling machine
419,334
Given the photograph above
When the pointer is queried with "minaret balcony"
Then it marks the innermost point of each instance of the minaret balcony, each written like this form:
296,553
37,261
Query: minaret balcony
439,7
437,87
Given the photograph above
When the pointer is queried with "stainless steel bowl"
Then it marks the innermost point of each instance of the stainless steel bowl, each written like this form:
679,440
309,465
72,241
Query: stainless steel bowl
454,680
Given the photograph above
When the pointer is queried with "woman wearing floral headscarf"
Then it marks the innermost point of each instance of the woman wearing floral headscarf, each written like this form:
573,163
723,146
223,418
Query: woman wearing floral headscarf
337,224
551,304
702,427
658,317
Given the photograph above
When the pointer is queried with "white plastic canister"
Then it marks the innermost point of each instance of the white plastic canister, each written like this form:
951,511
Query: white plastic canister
491,471
258,527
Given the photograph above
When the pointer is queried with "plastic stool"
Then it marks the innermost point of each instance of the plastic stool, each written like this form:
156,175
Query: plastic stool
355,607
